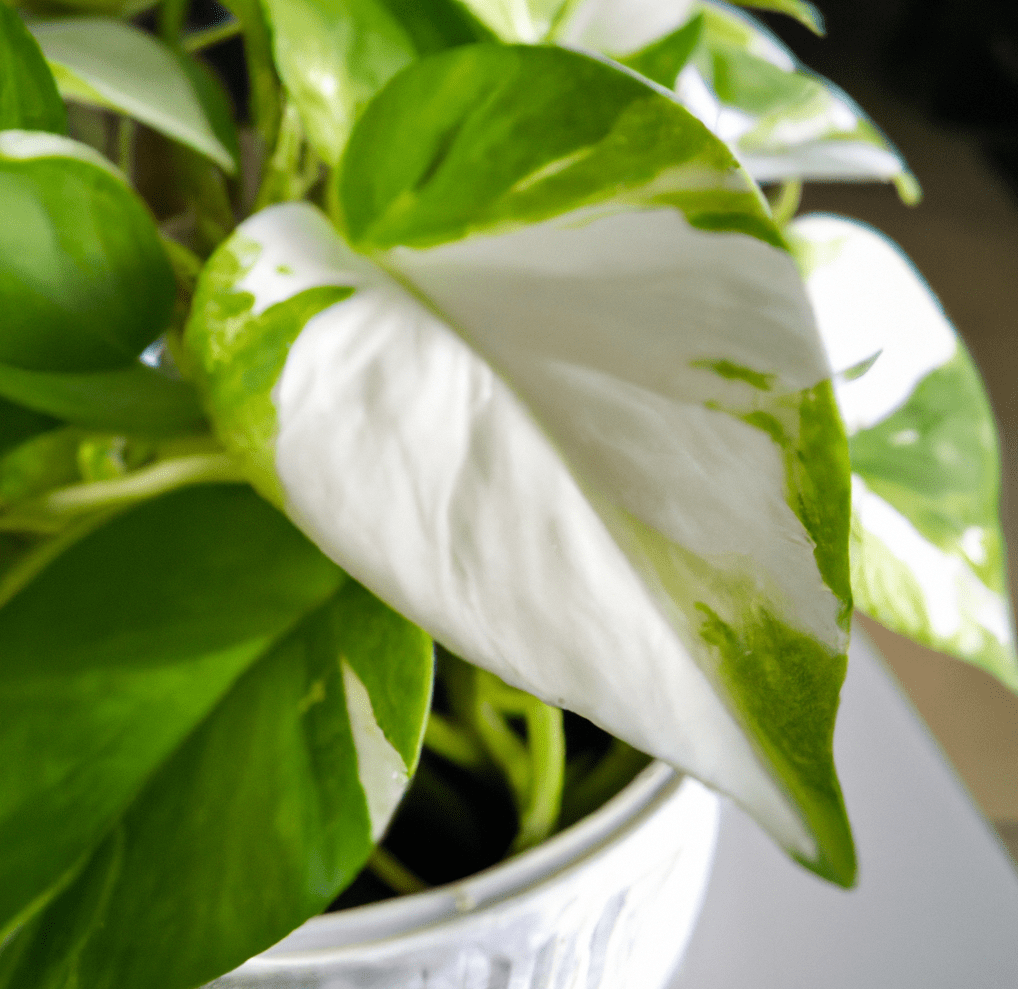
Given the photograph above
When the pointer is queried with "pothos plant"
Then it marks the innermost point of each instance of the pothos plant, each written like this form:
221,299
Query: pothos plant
488,337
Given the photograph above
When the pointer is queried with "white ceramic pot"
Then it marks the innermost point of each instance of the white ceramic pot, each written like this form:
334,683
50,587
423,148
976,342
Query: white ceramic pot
610,902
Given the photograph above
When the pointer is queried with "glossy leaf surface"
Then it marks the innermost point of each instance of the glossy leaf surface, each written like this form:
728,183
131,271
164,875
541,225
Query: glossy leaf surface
135,399
113,65
927,547
256,821
494,136
84,281
564,391
224,714
28,97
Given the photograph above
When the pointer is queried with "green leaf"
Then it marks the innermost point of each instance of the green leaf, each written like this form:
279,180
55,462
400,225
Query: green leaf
28,98
493,136
103,679
804,13
541,380
928,551
136,400
84,281
434,25
108,63
333,56
255,822
18,424
663,60
786,122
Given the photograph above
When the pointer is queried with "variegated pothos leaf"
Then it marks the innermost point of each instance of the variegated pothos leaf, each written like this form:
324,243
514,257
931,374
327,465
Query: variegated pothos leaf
566,409
927,546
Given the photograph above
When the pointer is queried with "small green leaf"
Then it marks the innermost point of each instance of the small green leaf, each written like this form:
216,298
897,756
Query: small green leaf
333,57
805,13
111,64
101,680
663,60
262,815
28,96
494,136
786,122
84,281
928,551
136,399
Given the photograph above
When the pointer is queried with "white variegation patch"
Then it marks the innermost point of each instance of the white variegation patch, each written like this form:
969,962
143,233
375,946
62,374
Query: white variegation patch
869,299
923,582
423,474
380,768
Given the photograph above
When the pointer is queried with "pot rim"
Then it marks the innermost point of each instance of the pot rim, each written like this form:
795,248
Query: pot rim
412,913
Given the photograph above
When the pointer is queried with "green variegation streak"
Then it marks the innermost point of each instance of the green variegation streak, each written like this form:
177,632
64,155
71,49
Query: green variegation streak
887,589
736,372
540,132
781,683
240,355
28,95
936,460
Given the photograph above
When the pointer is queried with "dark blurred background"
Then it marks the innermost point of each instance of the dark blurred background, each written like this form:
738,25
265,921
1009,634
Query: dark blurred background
940,77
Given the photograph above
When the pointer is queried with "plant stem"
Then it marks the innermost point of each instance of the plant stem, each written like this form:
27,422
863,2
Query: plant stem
207,37
125,147
51,512
546,742
172,14
452,742
282,180
394,873
786,203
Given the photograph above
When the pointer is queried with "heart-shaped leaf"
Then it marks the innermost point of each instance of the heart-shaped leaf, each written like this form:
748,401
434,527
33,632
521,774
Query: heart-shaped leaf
28,97
927,547
567,411
85,283
222,714
108,63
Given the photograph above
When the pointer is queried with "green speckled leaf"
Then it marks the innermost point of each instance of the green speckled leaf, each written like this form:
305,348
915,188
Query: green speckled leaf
928,551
